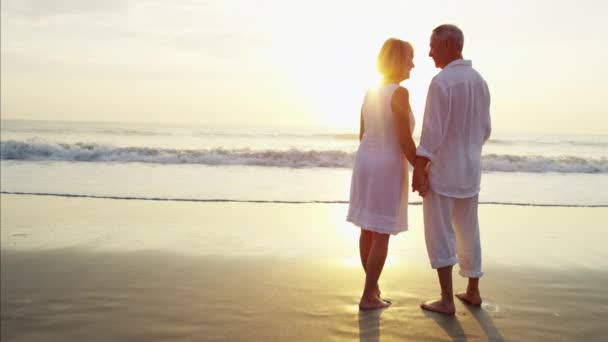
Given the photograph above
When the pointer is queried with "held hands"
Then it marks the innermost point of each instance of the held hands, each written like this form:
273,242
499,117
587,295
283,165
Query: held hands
420,179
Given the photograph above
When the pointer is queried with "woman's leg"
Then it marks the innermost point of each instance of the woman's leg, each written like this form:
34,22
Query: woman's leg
373,269
365,246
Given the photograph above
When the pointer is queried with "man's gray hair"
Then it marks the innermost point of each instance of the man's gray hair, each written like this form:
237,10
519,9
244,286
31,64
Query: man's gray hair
451,33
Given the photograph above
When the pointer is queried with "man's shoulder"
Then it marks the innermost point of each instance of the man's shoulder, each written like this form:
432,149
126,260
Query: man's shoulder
440,80
452,76
477,74
443,80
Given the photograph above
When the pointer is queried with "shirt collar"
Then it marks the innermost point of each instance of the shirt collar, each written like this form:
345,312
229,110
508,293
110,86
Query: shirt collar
456,62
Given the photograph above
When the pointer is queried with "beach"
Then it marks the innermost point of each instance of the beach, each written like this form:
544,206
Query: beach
102,269
183,170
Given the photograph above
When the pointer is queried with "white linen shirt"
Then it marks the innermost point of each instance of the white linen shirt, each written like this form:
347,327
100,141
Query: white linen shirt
456,125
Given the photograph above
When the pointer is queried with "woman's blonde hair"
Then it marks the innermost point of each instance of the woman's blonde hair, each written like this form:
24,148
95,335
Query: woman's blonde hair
392,57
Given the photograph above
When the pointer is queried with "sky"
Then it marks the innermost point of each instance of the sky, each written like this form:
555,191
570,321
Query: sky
293,63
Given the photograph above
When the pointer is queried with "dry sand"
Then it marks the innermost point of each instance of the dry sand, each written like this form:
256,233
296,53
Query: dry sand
99,270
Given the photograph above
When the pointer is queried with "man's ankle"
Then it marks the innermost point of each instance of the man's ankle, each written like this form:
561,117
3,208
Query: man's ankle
472,290
447,299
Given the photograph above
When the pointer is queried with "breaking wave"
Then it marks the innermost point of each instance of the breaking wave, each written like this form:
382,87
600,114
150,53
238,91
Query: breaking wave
34,150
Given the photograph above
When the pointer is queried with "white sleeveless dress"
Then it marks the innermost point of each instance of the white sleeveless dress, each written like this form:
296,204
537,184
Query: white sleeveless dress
380,183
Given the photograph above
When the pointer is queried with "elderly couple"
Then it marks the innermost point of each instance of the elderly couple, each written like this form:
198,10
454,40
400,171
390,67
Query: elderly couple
447,166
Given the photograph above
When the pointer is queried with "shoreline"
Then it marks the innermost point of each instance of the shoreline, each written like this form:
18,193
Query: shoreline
228,200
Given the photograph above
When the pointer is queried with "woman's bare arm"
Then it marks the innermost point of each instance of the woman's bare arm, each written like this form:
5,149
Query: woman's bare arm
400,104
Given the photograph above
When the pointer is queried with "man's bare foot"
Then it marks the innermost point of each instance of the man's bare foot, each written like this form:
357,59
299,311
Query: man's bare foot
439,306
372,304
470,298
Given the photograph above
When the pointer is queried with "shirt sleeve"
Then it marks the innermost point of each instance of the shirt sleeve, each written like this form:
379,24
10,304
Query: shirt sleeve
488,130
435,122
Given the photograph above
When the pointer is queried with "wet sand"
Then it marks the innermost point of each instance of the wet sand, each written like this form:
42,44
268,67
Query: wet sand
99,270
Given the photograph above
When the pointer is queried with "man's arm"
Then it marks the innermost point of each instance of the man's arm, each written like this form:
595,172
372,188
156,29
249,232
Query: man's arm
434,127
489,123
436,120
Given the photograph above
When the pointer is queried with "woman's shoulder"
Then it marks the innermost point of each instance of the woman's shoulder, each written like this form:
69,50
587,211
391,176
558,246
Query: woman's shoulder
400,93
385,89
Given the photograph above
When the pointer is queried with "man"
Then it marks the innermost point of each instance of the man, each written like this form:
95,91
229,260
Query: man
447,172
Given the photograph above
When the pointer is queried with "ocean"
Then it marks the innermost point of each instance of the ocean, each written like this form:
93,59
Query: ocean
154,161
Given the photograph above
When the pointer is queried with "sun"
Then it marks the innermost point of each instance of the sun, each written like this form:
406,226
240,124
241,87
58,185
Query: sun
331,86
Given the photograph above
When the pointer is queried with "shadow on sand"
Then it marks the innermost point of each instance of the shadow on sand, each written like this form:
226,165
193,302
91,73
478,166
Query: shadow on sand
484,319
451,325
369,325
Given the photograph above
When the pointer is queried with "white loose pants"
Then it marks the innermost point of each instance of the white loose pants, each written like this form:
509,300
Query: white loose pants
451,230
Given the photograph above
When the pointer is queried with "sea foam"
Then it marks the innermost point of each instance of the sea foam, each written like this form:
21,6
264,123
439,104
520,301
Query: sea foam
37,150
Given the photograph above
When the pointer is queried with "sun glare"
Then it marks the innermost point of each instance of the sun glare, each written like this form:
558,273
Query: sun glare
335,101
355,261
331,84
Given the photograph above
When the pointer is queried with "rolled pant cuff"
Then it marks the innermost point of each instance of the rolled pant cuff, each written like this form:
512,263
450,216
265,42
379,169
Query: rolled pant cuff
470,274
439,263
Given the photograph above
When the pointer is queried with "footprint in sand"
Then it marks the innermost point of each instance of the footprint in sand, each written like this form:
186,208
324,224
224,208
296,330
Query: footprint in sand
489,307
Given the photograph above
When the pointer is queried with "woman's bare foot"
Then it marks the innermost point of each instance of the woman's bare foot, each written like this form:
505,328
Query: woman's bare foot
439,306
372,304
470,298
379,296
377,291
388,301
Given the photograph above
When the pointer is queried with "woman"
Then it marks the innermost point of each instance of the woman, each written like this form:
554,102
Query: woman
379,187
